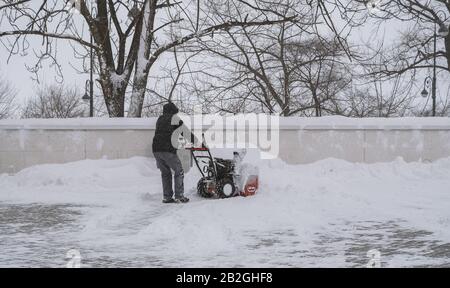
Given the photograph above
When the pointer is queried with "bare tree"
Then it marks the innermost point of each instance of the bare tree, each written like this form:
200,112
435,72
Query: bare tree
414,48
372,96
129,36
289,70
7,95
55,102
399,65
371,101
172,84
322,73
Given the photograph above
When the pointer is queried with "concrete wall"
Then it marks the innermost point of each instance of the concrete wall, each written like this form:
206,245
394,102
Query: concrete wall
24,143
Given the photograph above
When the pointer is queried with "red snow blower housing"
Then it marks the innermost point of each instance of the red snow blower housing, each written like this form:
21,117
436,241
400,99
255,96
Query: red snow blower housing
223,178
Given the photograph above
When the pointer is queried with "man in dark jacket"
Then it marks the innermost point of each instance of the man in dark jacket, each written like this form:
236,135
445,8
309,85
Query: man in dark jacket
166,154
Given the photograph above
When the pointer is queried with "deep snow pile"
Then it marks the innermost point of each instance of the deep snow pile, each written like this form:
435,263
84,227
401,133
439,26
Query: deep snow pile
329,213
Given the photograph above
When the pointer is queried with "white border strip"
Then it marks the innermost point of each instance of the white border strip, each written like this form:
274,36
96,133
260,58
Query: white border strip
286,123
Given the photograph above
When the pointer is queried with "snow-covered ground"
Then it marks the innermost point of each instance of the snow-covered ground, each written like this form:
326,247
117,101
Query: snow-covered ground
329,213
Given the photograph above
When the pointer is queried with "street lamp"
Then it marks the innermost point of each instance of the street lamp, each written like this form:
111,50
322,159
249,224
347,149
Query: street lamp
443,32
426,87
87,97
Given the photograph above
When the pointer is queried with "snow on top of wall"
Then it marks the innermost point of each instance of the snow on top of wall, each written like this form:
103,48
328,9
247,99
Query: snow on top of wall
339,122
285,123
79,124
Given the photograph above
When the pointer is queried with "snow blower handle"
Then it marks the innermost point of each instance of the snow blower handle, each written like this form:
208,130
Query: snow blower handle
202,148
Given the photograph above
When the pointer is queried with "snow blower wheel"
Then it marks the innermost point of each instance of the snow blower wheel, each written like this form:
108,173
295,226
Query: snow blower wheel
225,188
203,190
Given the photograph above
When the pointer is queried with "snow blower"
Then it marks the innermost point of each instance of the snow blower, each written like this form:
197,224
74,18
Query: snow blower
223,178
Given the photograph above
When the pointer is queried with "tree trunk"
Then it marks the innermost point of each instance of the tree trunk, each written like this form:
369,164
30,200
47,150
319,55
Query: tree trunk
286,111
114,98
113,88
317,105
138,95
143,61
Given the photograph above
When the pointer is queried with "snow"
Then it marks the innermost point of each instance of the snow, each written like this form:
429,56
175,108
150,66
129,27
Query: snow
328,213
118,80
78,123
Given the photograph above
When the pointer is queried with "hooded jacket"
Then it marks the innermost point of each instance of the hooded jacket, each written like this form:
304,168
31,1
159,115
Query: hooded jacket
162,141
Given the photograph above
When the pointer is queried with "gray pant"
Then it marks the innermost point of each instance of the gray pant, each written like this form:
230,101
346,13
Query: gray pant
166,162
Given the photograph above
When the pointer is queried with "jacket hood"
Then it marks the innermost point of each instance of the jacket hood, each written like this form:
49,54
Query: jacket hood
170,109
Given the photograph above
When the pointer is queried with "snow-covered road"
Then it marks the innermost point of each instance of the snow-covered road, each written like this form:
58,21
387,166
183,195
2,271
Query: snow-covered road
329,213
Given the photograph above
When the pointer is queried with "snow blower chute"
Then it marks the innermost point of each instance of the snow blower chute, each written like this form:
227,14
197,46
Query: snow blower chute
223,178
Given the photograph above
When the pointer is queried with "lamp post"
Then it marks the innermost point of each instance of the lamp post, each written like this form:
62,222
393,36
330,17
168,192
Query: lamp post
91,82
90,98
443,32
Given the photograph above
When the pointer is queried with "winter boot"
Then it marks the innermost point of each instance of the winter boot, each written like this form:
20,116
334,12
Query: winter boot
169,200
182,199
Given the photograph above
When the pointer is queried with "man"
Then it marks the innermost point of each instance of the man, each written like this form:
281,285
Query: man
166,154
